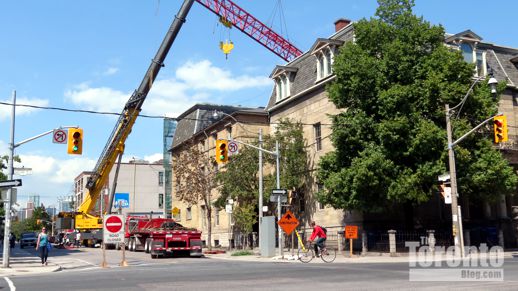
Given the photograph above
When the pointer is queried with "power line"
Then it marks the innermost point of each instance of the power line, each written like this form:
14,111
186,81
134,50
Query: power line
118,114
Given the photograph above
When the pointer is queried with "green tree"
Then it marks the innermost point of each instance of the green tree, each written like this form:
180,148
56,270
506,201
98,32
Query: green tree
390,143
239,179
195,175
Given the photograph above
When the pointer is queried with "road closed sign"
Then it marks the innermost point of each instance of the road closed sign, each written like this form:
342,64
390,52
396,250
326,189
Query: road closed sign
113,230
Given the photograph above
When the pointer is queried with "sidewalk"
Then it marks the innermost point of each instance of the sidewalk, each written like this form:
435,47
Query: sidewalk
372,258
23,262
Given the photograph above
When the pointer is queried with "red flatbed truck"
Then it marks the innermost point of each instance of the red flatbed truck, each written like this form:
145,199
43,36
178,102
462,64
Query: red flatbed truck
161,237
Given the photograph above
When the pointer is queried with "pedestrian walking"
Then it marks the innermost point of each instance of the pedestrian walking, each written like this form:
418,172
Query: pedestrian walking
78,239
12,240
41,246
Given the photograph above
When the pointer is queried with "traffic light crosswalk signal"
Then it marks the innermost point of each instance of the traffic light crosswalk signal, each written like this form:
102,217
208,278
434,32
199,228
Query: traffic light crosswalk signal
500,128
75,141
221,151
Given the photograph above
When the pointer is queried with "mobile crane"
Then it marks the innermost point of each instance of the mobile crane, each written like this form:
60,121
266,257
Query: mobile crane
114,148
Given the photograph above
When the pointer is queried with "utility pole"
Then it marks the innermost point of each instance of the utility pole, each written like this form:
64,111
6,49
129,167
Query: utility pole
8,201
453,178
279,210
260,185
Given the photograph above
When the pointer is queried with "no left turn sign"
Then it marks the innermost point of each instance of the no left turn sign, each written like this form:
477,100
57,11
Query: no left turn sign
233,147
59,136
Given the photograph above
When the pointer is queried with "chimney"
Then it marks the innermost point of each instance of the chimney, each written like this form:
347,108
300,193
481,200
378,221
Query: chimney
341,23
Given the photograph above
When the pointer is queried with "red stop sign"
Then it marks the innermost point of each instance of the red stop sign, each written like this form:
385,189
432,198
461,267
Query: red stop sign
113,224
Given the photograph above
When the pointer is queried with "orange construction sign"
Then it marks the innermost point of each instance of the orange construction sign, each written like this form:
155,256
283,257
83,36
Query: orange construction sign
351,232
288,222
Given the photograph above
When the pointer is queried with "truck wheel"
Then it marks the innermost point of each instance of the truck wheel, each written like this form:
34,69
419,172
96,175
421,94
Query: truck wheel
118,246
132,245
147,246
154,256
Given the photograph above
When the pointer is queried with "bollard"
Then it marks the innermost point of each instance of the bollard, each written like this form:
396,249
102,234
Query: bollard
364,243
392,242
431,240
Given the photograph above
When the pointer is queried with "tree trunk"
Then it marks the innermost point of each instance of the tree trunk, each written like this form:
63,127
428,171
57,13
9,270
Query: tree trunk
209,227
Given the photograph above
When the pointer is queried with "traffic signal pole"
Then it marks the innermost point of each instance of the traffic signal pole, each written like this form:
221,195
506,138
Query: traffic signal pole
10,171
455,208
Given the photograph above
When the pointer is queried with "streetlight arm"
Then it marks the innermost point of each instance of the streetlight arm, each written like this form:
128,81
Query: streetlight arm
257,148
40,135
471,131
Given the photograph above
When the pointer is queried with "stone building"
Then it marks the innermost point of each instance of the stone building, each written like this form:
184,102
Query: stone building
202,125
300,95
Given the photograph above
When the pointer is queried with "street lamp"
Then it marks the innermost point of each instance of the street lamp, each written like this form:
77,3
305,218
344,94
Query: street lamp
455,208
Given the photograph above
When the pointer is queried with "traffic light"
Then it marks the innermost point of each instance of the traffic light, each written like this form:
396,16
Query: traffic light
221,151
500,127
75,141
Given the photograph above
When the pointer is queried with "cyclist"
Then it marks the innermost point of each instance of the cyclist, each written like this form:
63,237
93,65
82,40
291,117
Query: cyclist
317,232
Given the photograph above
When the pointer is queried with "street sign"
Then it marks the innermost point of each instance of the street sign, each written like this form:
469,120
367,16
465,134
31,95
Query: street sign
275,198
59,136
233,148
351,232
288,222
113,229
11,183
279,191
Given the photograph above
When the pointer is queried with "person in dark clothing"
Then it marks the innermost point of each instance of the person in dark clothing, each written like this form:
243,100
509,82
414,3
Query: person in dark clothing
12,240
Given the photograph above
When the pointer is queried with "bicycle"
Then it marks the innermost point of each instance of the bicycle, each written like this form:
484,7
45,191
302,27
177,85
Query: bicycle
307,253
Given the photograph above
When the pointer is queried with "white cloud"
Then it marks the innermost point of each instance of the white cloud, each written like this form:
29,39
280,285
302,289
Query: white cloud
98,99
56,171
111,71
203,75
6,110
154,157
195,82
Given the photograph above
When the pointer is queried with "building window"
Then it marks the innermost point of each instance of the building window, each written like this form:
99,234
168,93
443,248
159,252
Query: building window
160,178
325,60
160,200
317,128
188,214
216,216
178,215
229,132
320,188
203,216
474,56
282,87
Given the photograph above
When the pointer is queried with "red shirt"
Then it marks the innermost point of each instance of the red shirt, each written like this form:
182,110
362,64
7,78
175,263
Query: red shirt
317,231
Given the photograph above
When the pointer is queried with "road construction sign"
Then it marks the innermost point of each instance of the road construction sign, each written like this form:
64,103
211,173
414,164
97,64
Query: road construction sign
288,222
351,232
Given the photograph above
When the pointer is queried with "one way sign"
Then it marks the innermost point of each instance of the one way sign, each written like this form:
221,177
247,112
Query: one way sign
11,183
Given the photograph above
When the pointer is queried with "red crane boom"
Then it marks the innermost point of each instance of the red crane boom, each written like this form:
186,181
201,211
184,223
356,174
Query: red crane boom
254,28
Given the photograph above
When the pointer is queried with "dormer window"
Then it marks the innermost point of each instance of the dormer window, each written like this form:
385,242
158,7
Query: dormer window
283,77
282,87
324,51
325,58
475,56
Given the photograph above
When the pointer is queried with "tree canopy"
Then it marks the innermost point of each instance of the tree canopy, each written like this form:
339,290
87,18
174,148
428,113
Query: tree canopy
390,143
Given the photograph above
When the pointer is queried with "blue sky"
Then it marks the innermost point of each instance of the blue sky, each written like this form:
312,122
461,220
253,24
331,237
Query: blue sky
92,54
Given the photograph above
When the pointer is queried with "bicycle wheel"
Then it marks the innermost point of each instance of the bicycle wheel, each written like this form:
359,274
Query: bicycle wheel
328,255
306,255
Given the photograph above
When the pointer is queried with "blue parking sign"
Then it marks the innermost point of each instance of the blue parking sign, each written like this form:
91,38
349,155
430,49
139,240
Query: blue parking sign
121,200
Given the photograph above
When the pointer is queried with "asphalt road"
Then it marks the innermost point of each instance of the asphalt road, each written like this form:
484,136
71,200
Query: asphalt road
216,274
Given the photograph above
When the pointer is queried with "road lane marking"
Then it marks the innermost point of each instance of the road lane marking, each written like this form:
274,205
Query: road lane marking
10,283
